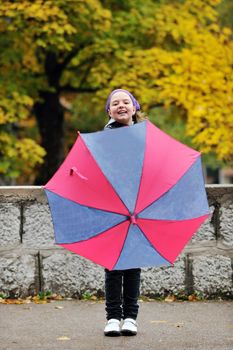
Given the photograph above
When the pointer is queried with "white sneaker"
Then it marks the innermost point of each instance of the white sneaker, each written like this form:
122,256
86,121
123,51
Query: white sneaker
112,328
129,327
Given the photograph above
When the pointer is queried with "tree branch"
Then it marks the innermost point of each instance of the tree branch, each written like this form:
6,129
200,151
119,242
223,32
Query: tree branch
156,105
69,88
69,57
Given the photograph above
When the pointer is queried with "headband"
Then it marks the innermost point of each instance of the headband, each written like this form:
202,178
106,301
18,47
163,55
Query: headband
135,102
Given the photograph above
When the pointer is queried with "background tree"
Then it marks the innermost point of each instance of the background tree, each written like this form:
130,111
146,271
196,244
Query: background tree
189,66
42,37
68,55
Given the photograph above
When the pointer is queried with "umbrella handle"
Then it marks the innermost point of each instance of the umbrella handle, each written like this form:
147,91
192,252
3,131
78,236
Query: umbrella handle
74,170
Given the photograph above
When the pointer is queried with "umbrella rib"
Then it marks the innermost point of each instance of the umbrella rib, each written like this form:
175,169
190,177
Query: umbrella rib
104,174
154,247
163,194
104,210
140,182
175,220
98,234
122,247
88,206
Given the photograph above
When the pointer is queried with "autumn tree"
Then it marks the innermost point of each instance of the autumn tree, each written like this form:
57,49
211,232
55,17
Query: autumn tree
40,39
169,54
189,65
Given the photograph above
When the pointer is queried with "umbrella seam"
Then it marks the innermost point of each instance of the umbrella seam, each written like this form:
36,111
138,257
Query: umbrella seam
140,182
122,247
199,156
103,173
154,247
98,234
87,206
174,220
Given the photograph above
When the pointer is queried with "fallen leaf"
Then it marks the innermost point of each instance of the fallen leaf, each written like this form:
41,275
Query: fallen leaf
40,301
192,297
27,301
14,301
170,298
59,307
63,338
56,297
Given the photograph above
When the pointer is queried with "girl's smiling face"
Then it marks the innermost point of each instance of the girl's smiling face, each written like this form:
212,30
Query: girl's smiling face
121,108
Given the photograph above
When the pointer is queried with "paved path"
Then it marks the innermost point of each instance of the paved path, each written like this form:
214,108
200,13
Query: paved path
78,325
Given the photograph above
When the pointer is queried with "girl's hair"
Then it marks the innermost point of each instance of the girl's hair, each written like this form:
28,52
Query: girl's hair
139,117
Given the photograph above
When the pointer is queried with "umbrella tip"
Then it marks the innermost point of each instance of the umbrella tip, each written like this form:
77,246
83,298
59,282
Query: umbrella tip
133,219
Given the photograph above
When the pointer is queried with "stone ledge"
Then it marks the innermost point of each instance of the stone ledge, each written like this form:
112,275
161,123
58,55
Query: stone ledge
32,193
69,274
213,275
18,194
30,260
18,275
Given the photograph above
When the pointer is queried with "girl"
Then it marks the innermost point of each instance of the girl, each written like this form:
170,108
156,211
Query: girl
122,286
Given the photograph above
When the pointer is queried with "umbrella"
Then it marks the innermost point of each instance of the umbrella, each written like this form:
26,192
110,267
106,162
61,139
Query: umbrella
129,197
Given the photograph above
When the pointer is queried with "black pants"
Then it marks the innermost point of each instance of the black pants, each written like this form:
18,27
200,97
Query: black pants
122,292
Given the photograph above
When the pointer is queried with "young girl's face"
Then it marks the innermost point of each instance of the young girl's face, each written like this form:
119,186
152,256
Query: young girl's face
121,108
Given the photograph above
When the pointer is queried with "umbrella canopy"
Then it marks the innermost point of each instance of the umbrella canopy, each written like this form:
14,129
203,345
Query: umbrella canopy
128,197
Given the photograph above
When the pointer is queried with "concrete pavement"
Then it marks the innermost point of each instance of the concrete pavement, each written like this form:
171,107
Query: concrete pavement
78,325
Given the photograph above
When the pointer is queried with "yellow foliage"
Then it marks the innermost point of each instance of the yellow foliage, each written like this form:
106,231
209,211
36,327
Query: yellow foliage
187,62
196,76
201,82
14,107
24,149
15,152
29,31
46,23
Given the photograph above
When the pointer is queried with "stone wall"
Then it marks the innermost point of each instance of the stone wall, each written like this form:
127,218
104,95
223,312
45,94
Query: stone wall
31,262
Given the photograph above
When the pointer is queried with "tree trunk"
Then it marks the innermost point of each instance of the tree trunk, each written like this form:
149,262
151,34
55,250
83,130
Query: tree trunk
50,119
